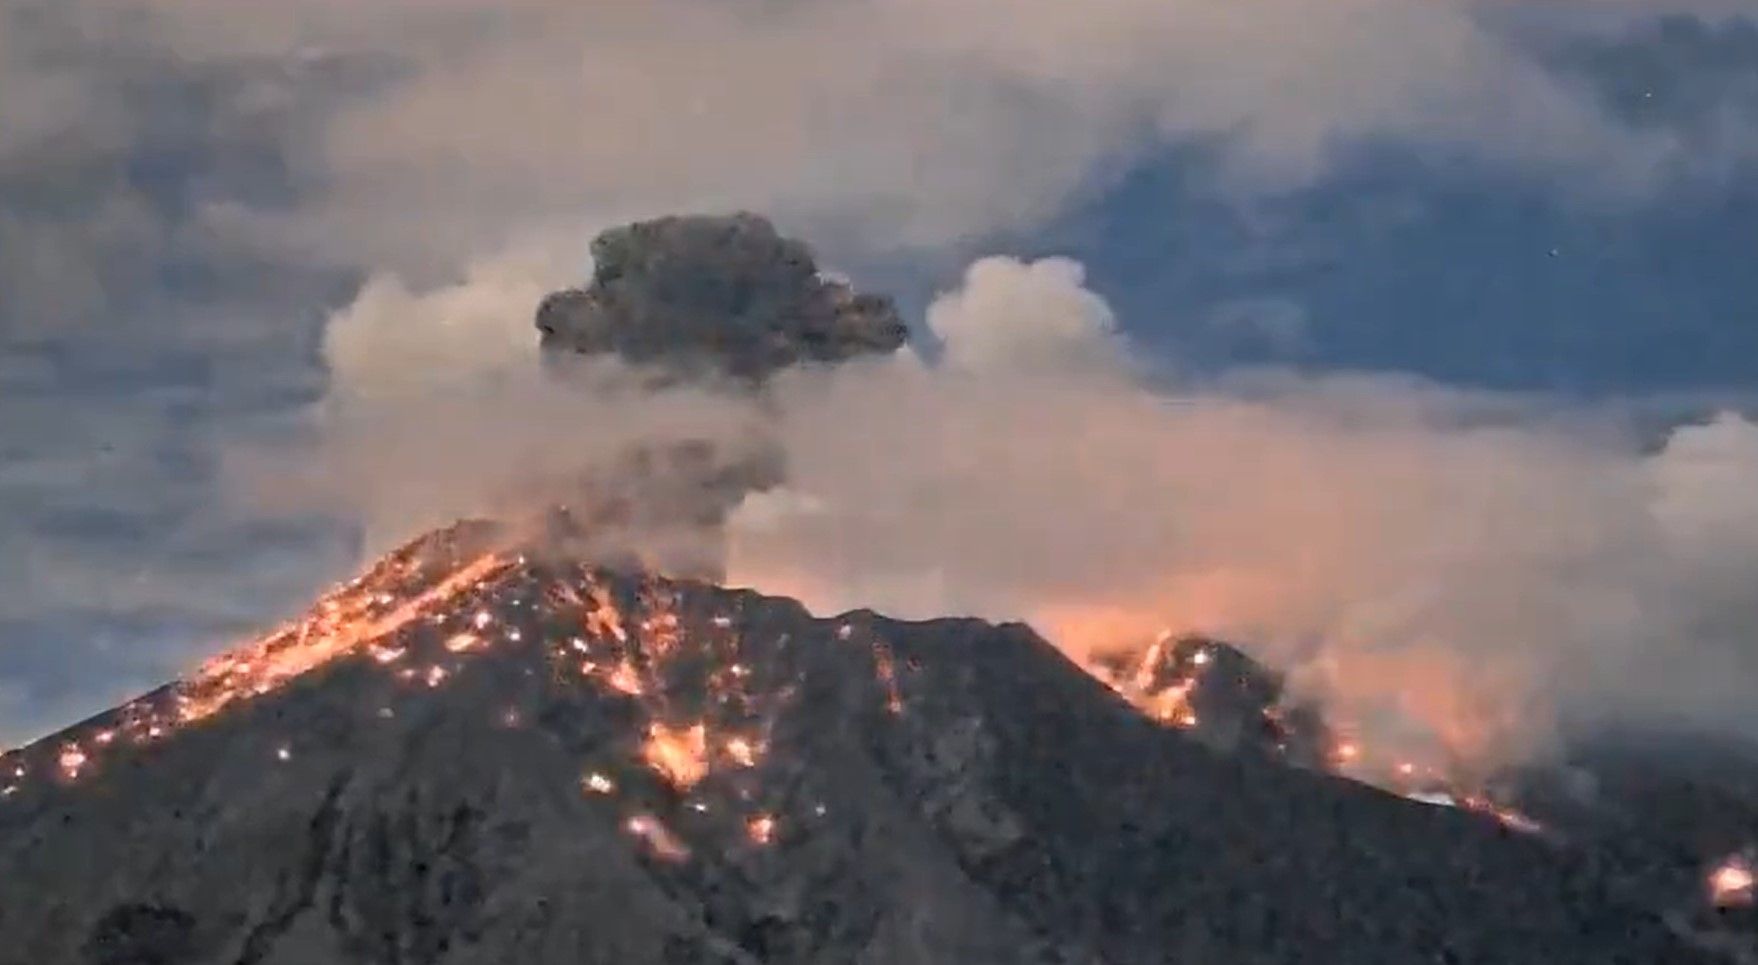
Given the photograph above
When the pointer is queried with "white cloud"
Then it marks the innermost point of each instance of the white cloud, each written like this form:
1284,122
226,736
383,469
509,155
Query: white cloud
1016,314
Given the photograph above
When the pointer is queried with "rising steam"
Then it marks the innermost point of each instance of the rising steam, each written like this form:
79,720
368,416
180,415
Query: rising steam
1451,573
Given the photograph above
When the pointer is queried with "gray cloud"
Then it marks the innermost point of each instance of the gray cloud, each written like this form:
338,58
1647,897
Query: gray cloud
896,123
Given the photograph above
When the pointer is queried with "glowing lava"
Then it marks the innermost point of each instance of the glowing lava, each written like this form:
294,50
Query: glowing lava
1167,679
343,623
1731,883
658,838
742,752
680,755
886,670
760,829
71,760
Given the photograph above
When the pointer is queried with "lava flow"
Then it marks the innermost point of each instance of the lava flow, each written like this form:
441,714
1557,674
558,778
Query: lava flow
412,584
1147,686
344,623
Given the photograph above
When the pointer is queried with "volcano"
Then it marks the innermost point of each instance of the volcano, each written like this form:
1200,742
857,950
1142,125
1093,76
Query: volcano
474,753
516,743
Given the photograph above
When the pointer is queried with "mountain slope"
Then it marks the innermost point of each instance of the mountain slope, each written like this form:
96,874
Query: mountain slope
539,762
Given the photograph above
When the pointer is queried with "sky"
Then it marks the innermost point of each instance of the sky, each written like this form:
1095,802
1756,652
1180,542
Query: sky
1549,206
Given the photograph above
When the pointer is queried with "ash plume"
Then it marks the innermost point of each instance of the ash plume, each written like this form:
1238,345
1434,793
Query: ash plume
715,295
625,426
697,299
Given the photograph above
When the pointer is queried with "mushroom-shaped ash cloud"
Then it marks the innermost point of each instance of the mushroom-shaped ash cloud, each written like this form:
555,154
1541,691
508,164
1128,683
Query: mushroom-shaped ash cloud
708,299
702,295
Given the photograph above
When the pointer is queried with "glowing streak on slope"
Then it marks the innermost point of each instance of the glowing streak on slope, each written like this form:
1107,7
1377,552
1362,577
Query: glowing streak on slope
604,618
342,626
71,760
886,669
657,837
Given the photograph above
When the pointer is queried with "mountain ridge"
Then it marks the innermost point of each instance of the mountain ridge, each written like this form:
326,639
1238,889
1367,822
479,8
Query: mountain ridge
617,767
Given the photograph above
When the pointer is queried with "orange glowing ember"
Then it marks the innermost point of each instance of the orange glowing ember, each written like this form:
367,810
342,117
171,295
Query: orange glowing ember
742,752
1143,683
1511,819
886,669
657,837
760,829
71,760
604,619
1731,884
680,755
624,679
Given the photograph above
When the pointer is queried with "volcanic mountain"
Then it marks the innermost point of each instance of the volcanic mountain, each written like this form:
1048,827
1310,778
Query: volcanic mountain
520,744
473,754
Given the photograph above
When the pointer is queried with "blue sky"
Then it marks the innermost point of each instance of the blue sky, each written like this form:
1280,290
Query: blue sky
184,201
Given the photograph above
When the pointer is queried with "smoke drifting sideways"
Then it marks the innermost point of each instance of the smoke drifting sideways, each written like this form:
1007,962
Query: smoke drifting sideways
1455,574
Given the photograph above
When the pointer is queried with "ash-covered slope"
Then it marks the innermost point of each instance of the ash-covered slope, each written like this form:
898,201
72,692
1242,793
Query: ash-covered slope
1671,817
470,756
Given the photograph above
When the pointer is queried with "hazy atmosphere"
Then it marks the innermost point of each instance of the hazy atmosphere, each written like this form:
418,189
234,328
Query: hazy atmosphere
1411,344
